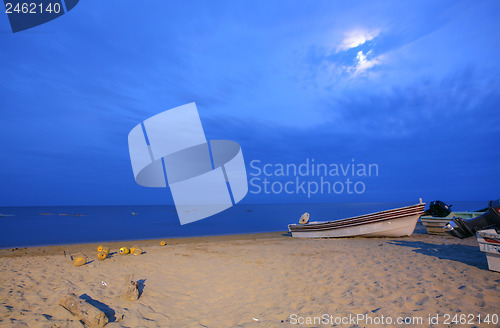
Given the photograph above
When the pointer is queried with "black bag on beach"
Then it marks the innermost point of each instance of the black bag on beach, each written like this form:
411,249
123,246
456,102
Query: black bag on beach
438,209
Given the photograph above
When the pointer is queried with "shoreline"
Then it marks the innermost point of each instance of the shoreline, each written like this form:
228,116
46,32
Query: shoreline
45,250
142,243
145,243
115,223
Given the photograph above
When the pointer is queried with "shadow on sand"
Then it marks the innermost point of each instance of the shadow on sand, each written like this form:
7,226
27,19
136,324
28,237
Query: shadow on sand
140,286
109,312
470,255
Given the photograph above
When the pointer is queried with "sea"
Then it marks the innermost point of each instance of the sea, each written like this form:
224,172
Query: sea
60,225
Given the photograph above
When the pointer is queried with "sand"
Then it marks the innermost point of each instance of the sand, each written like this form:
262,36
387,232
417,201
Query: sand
261,280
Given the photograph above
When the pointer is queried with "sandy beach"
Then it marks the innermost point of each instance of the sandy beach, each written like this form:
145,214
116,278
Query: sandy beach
259,280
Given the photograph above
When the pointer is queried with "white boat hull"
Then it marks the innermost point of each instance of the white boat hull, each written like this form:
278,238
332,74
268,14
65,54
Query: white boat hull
393,223
391,228
489,244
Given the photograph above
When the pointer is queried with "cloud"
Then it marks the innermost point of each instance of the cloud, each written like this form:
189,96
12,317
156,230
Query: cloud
364,63
355,53
356,38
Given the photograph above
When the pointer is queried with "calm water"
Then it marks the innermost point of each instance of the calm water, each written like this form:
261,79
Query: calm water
40,226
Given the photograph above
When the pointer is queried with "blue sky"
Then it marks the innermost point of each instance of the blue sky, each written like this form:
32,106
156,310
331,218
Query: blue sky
411,86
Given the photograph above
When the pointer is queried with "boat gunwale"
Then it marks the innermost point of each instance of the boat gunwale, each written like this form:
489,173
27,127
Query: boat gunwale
488,237
452,215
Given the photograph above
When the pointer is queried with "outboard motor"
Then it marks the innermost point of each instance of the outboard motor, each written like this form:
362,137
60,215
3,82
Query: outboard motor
461,228
438,209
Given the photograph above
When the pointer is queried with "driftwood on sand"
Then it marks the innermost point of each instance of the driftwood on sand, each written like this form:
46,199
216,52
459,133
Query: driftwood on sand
130,288
84,311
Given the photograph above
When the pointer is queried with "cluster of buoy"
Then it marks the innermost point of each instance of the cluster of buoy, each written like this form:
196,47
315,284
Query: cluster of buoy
103,252
135,250
80,259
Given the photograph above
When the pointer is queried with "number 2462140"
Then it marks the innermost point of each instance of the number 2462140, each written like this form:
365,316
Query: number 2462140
32,8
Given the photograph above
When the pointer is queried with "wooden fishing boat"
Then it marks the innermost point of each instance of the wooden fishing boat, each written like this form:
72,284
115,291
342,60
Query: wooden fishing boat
489,243
390,223
435,225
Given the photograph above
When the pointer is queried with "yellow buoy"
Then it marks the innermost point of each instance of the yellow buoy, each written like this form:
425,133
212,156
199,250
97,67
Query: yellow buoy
162,243
137,251
79,259
99,248
102,255
132,249
124,250
105,249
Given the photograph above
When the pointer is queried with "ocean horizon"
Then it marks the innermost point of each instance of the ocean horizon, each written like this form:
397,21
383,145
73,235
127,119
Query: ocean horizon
59,225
